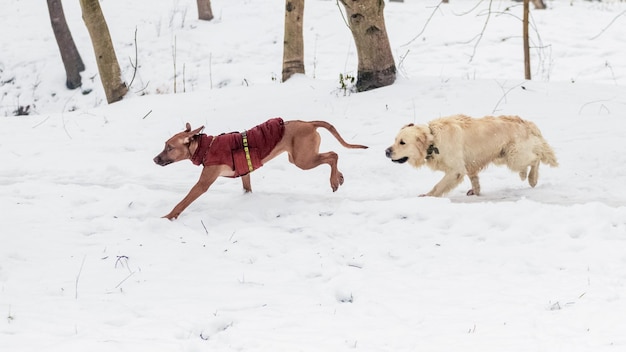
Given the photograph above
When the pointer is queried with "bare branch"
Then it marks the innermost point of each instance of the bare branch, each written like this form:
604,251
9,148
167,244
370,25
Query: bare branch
482,32
609,25
136,65
425,24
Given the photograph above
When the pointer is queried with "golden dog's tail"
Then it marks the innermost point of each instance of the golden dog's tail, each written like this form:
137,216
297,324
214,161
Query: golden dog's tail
545,152
334,132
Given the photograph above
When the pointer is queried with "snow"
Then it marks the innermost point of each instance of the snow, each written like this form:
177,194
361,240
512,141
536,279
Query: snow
87,262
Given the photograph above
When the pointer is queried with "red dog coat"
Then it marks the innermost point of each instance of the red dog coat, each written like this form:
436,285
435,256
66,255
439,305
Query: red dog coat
229,149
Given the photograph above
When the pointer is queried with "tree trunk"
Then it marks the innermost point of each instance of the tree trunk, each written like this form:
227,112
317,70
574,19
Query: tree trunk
539,4
376,65
69,53
526,41
293,45
204,10
108,66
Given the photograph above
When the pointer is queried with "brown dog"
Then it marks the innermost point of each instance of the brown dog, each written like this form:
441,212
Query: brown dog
237,154
460,145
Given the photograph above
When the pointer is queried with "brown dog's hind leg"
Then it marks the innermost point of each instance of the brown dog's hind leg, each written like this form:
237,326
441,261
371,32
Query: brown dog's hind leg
312,160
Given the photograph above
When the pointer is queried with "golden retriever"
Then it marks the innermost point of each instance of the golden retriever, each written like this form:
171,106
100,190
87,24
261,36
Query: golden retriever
460,145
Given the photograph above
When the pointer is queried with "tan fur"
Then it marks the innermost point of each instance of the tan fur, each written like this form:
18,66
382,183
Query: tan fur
301,141
466,146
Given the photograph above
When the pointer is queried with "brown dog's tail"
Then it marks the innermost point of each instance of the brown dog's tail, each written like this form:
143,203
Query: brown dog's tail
334,132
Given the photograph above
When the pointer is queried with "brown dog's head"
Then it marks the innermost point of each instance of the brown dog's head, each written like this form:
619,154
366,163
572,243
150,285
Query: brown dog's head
178,147
411,145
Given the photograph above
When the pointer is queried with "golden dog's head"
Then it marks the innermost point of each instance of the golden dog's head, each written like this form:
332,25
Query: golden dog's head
411,145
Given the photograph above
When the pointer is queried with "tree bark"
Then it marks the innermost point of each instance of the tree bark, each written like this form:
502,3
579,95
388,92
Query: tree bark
108,66
526,41
539,4
376,65
69,53
293,45
204,10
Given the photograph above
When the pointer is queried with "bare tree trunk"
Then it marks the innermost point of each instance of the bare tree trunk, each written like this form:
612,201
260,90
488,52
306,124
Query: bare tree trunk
539,4
108,66
293,45
69,53
204,10
526,41
376,65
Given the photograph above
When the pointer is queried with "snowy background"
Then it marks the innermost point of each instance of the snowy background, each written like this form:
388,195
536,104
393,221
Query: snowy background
88,264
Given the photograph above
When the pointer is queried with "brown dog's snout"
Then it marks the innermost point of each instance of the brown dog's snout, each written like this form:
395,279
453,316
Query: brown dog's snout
160,161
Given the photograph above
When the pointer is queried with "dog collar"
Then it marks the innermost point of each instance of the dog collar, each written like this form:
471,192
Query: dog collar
430,151
203,148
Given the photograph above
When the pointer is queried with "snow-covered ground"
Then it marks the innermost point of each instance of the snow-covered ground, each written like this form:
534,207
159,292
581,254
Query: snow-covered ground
88,264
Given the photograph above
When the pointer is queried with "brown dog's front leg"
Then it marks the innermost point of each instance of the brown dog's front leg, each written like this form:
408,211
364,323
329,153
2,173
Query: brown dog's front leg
207,177
245,180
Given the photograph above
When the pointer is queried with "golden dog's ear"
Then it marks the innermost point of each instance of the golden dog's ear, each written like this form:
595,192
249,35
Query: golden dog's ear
424,140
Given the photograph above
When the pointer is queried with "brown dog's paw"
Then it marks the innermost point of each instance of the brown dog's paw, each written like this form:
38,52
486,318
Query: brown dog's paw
338,181
170,217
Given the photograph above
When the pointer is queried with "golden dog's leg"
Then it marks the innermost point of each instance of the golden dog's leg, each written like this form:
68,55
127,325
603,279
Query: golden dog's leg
207,177
245,180
447,183
533,175
475,186
523,174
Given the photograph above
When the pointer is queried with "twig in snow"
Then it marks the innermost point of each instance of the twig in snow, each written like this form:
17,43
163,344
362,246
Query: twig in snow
503,97
126,278
78,277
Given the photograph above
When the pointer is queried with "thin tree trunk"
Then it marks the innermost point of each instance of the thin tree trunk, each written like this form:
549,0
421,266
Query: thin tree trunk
108,66
69,53
526,41
204,10
539,4
293,45
376,65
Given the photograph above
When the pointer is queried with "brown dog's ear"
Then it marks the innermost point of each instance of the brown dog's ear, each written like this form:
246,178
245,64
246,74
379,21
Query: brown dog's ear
196,131
187,127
